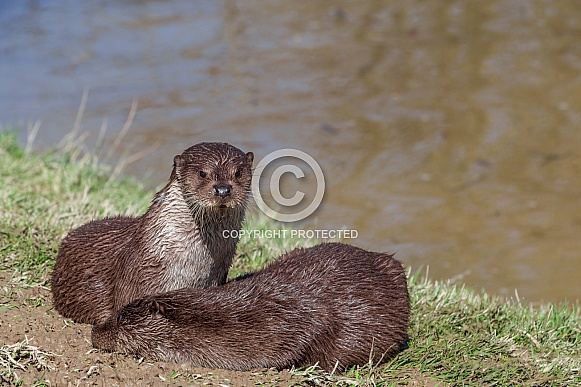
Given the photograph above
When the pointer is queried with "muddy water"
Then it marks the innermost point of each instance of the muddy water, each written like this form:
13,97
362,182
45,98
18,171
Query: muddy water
448,132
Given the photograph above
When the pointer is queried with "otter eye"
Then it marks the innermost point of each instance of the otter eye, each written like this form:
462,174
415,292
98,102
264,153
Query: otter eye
238,173
119,316
202,174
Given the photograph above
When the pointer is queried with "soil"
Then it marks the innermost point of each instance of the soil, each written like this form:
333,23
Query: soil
27,315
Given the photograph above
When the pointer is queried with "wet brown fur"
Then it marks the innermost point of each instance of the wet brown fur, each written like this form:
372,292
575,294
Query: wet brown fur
332,304
178,242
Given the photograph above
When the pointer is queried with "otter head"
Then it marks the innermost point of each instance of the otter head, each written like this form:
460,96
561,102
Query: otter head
214,175
144,326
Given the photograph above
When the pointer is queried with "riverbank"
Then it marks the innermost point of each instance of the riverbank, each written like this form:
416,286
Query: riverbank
459,336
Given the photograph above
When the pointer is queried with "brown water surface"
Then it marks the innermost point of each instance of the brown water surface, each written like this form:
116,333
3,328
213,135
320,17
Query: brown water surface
448,131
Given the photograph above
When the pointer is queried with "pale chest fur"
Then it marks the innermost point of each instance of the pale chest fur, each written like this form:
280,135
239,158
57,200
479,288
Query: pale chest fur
186,253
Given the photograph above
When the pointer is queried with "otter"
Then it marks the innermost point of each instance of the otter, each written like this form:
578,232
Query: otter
333,304
177,243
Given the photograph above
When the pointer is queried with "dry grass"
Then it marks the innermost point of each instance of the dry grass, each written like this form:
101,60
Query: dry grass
20,357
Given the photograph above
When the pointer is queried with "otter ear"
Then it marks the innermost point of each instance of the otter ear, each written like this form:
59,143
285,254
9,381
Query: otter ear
250,157
157,308
177,161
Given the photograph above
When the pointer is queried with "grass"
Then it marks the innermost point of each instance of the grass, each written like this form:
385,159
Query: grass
45,196
459,336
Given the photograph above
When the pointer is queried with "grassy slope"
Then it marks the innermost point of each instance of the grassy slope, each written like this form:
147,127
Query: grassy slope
458,336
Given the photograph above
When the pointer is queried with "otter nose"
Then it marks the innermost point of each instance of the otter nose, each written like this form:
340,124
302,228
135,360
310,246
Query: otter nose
222,190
